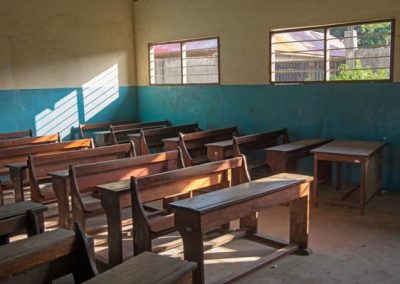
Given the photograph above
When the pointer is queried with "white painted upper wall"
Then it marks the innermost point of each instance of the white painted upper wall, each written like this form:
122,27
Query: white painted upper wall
64,43
243,27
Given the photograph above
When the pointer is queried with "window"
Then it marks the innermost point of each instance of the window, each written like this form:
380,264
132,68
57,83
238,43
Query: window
185,62
351,52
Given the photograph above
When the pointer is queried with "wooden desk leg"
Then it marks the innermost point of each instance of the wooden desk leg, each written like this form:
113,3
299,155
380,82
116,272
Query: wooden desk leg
363,175
192,237
17,178
250,223
277,162
299,223
60,187
324,169
380,166
111,205
338,174
315,182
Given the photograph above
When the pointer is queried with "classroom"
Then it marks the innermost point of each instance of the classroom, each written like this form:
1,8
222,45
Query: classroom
212,141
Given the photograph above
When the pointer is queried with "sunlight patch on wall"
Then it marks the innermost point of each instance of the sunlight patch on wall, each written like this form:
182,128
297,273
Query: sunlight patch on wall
61,118
100,92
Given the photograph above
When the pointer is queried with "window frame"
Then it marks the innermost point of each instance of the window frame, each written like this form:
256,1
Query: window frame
326,28
181,42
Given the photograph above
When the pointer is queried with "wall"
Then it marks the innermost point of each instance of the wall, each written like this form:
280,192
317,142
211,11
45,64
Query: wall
244,98
65,62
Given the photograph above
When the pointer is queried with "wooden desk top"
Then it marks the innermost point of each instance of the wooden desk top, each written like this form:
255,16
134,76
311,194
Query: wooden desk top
293,146
350,148
146,268
117,186
246,191
62,173
171,139
20,208
222,144
20,165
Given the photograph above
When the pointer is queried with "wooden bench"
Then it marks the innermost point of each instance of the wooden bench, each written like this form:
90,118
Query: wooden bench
46,257
85,178
20,216
252,147
17,134
13,161
193,144
10,143
91,127
195,216
150,188
148,268
120,132
150,140
43,191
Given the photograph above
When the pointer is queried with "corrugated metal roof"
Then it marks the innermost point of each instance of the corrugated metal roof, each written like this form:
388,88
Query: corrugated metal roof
307,40
191,45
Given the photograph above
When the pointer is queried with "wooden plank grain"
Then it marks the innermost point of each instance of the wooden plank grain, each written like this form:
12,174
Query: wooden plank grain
146,268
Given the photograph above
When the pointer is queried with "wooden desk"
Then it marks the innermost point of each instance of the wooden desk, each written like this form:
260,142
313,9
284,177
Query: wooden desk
103,138
148,268
367,154
13,218
18,175
61,187
114,197
282,158
219,150
171,143
197,215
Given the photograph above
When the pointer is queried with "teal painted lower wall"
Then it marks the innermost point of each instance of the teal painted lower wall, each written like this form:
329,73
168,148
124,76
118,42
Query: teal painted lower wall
342,111
48,111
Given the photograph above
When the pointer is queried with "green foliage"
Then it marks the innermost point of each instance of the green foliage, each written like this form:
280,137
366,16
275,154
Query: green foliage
377,34
353,75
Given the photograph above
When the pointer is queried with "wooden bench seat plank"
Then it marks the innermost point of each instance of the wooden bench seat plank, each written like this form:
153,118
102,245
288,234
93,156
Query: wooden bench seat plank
147,268
243,192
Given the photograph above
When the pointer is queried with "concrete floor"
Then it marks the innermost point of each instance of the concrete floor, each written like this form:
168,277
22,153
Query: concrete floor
347,248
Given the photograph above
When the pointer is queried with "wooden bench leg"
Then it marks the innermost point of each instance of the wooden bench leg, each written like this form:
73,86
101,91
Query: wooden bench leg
17,177
299,223
34,227
111,205
84,267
